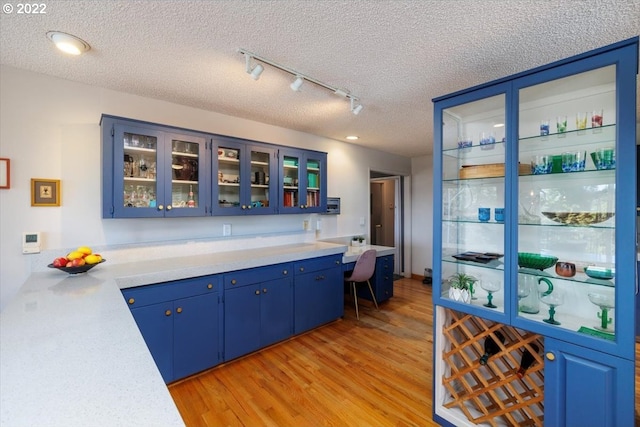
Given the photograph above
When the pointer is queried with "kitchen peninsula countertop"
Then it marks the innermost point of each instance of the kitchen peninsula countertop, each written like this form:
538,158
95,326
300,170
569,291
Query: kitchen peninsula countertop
71,353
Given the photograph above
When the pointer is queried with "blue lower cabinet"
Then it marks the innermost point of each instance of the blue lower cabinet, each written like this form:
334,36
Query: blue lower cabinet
196,335
181,330
156,325
584,387
319,296
257,316
383,278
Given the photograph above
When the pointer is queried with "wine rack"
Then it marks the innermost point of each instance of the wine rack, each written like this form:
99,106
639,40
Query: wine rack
493,393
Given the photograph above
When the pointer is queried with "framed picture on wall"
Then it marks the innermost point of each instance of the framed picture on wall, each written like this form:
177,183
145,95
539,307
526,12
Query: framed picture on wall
45,192
5,173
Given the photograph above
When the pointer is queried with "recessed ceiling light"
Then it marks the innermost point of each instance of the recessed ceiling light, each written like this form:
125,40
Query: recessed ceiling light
68,43
498,125
351,137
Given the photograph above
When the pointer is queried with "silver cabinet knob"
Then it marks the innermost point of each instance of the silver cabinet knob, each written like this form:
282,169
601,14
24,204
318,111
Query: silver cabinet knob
550,356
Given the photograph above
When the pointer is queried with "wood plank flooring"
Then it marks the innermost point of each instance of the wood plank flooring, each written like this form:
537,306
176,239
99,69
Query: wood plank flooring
372,372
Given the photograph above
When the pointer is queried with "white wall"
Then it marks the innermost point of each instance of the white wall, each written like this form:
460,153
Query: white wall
421,214
49,128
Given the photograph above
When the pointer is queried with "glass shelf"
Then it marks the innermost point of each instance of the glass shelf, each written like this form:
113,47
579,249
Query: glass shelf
476,151
578,278
572,138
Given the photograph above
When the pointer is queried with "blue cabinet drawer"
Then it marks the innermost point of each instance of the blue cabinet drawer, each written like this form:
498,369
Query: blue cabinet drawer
157,293
251,276
385,263
316,264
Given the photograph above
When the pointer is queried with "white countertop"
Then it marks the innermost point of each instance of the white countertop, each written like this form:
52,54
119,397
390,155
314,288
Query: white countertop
354,252
71,353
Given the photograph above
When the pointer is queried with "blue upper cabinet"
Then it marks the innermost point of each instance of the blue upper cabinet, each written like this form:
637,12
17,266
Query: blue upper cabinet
156,171
246,182
555,148
150,171
303,181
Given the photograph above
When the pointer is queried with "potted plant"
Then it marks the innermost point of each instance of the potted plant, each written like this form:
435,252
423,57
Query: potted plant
461,287
357,241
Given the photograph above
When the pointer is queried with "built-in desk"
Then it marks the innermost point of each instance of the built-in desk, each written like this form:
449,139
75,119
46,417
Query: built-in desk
382,280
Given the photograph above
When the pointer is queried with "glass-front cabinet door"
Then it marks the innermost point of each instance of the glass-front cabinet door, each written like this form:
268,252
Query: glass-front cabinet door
568,207
186,195
263,165
138,176
303,181
244,171
157,174
473,204
228,168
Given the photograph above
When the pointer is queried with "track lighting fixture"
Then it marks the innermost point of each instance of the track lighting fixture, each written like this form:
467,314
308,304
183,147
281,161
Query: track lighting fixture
355,109
295,86
68,43
299,78
253,71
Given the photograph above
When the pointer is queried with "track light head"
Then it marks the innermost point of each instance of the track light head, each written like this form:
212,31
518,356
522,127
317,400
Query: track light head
297,83
253,71
257,70
355,109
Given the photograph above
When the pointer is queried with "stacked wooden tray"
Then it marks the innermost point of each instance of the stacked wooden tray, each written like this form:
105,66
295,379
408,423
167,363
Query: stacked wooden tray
490,170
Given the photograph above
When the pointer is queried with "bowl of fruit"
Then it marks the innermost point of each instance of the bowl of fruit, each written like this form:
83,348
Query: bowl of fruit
79,261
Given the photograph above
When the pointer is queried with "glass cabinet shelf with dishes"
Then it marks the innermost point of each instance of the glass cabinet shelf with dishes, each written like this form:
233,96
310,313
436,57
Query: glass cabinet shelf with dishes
534,227
244,170
149,172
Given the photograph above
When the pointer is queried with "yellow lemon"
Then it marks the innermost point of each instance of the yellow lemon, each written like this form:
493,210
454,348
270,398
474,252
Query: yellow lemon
85,250
75,255
92,259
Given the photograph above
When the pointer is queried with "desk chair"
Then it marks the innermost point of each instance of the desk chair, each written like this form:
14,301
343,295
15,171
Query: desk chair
362,272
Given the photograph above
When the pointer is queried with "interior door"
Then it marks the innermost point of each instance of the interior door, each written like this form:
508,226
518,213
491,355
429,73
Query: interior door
376,213
383,213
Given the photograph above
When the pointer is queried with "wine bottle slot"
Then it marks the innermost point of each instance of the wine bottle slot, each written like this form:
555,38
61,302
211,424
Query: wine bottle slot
527,360
491,347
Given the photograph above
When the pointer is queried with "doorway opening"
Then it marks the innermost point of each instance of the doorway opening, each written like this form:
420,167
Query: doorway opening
386,213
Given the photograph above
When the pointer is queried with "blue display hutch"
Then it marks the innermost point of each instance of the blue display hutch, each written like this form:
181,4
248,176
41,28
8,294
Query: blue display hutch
554,280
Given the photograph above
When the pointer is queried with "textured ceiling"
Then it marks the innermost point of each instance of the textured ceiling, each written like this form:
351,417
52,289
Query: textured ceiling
394,55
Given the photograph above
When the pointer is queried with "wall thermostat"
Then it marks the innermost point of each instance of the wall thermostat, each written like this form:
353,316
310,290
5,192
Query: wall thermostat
31,243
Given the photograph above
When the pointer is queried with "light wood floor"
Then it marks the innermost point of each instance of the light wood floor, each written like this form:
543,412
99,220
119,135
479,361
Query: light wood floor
372,372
